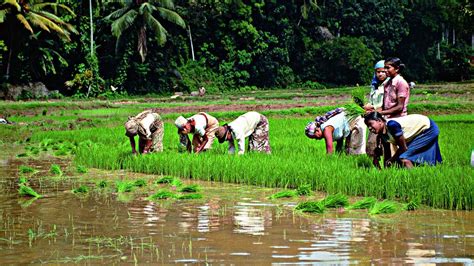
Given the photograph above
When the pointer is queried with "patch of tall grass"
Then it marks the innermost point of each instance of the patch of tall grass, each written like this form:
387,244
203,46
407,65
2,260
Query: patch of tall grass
25,190
295,160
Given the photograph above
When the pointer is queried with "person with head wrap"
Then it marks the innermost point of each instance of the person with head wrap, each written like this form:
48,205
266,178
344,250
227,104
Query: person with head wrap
336,126
149,127
252,125
203,127
374,146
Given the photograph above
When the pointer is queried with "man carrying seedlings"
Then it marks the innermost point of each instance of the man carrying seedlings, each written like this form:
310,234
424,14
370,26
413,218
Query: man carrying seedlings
203,127
149,128
252,125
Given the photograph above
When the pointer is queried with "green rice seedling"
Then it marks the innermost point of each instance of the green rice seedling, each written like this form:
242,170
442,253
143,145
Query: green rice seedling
139,183
359,96
162,194
102,184
190,188
81,169
190,196
283,194
165,180
22,155
56,170
35,151
310,206
335,201
304,190
81,189
365,203
22,180
353,110
28,191
26,169
412,205
384,207
60,153
363,161
125,186
176,182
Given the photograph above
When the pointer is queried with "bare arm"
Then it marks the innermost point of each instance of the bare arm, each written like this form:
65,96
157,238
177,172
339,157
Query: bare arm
397,109
133,145
327,135
203,144
402,147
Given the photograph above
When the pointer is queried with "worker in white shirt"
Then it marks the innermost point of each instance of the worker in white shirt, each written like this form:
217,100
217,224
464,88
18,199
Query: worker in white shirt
149,127
203,127
252,125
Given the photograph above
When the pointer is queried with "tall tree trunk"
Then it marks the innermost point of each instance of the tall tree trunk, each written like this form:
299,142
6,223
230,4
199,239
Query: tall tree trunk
191,41
10,52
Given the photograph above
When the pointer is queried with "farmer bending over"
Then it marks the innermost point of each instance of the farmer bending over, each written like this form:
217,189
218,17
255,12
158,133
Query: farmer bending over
252,125
202,126
416,137
149,128
335,126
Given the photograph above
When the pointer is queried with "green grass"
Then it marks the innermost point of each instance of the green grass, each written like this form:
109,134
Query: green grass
56,170
365,203
304,190
26,169
189,196
25,190
81,189
124,186
335,201
283,194
22,180
384,207
162,194
81,169
190,188
295,160
311,207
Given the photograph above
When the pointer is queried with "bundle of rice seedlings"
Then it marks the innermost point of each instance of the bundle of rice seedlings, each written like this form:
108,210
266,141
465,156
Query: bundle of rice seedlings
102,184
35,151
162,194
365,203
81,189
26,169
21,155
22,180
190,188
176,183
412,205
385,206
28,191
81,169
56,170
140,183
125,186
284,194
60,153
165,180
335,201
304,190
359,95
310,206
353,111
190,196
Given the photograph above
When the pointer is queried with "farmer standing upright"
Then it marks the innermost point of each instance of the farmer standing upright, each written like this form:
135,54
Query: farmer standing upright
252,125
203,127
149,128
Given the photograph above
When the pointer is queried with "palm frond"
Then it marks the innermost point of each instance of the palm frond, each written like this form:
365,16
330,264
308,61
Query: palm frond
58,21
124,22
164,3
38,20
10,4
146,8
118,13
3,14
156,26
41,6
24,21
172,17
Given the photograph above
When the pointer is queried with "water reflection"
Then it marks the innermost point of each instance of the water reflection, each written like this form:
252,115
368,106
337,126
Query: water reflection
252,218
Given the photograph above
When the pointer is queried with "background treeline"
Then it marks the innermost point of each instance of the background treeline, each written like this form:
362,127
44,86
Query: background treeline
144,46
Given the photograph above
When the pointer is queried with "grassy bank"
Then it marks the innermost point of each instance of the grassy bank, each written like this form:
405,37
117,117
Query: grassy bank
296,160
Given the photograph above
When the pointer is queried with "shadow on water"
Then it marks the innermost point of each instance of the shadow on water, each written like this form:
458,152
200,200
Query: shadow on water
231,224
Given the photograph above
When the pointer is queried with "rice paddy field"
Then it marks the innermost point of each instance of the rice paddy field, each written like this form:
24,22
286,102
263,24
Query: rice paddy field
73,193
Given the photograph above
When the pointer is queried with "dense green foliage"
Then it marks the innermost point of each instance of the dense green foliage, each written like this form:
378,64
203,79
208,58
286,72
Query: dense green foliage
148,46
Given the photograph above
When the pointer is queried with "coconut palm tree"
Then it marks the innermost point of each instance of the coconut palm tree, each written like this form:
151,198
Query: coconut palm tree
144,14
22,16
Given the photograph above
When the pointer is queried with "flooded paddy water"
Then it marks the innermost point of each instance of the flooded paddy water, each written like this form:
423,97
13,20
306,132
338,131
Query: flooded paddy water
230,224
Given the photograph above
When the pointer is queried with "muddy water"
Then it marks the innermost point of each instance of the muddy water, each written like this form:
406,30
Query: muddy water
231,225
